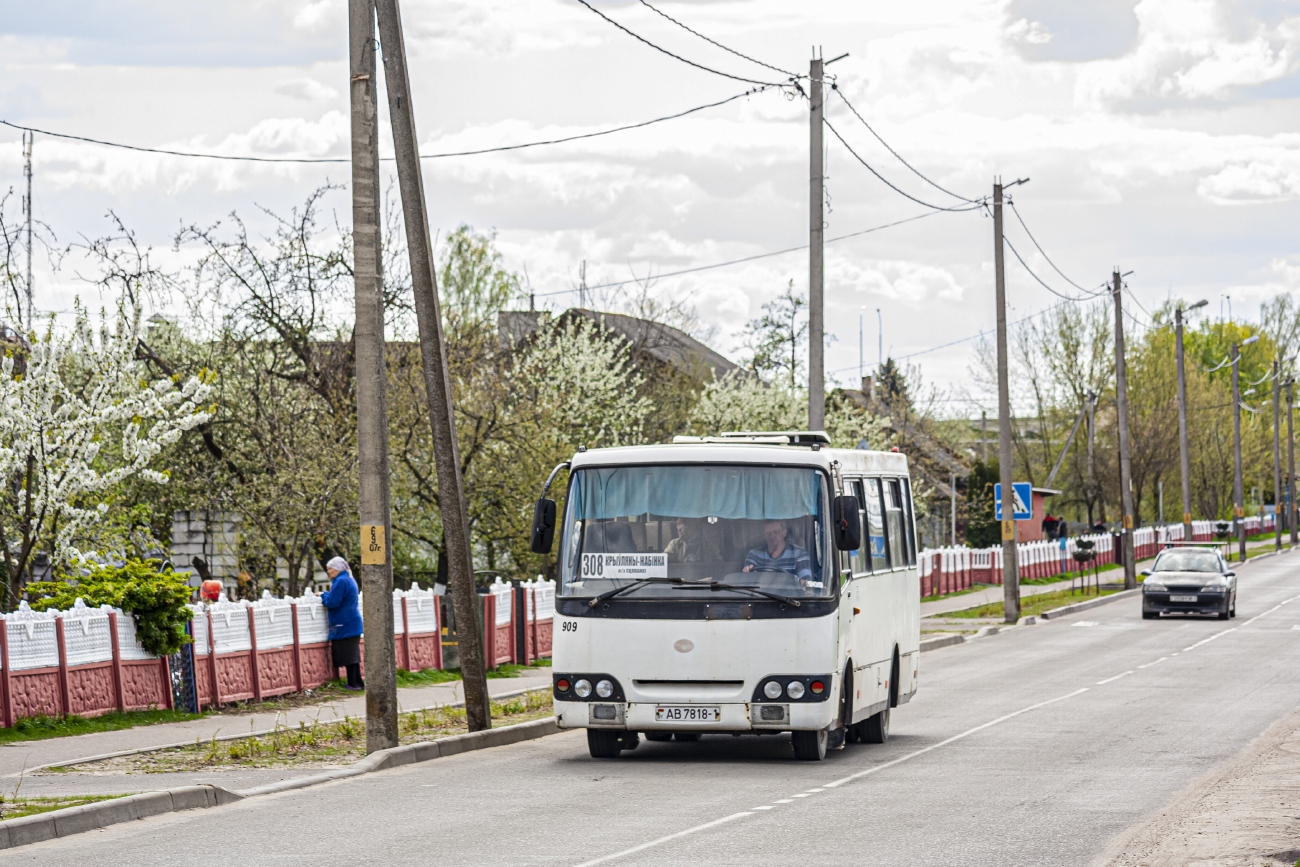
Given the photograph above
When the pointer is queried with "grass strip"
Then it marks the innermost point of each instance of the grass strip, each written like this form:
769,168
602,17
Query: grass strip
1029,605
431,676
317,744
38,728
16,808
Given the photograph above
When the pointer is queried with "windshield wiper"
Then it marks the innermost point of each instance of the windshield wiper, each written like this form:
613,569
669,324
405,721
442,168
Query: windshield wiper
722,585
640,582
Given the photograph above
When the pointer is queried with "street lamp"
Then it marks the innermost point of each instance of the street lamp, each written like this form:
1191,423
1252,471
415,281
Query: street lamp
1183,455
1238,505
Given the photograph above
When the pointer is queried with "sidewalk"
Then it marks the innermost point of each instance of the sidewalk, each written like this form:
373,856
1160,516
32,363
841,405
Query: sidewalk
22,757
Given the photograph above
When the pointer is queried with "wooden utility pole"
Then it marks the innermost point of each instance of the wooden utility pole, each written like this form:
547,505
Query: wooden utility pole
1277,455
375,568
437,380
1010,564
1125,467
816,275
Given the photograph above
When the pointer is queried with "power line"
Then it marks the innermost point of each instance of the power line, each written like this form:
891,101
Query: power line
1040,280
971,207
1043,252
743,260
897,155
716,43
662,50
502,148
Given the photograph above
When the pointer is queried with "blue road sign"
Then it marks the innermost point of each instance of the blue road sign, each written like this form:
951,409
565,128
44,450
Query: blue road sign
1023,493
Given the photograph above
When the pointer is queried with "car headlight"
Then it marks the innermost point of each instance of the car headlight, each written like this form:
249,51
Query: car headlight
772,690
1214,588
1151,584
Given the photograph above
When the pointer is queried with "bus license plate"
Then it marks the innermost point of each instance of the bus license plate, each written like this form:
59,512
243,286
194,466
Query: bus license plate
688,713
1182,598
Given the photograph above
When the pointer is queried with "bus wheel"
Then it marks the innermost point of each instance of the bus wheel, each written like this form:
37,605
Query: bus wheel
875,728
604,744
658,736
809,746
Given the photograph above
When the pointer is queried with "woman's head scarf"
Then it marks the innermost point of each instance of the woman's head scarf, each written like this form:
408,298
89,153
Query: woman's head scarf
340,564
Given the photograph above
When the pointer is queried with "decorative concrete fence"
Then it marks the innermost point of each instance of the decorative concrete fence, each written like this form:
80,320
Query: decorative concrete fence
83,661
87,661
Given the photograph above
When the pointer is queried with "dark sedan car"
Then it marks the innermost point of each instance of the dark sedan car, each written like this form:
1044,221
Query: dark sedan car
1189,581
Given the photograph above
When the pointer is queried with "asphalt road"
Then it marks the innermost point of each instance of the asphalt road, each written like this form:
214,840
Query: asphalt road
1036,746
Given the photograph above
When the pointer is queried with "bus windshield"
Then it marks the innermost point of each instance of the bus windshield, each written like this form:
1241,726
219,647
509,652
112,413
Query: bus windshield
680,529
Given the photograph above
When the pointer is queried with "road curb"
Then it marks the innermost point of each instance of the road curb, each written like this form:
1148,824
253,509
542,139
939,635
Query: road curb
1091,603
88,817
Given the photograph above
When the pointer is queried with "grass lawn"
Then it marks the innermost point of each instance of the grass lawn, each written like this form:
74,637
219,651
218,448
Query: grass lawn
430,676
319,745
16,808
42,727
1029,605
974,588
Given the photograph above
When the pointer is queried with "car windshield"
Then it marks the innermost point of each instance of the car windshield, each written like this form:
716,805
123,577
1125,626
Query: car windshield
1187,561
685,529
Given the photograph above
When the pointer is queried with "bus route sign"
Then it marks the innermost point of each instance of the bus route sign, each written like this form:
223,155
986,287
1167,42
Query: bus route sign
624,566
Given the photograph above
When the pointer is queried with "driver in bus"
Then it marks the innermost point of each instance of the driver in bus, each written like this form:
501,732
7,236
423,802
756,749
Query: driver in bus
779,554
690,544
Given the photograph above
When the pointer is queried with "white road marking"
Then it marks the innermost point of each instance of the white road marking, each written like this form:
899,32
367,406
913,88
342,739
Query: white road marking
979,728
1214,636
802,795
1085,623
1271,610
814,791
768,807
1157,662
784,801
850,778
1116,677
706,826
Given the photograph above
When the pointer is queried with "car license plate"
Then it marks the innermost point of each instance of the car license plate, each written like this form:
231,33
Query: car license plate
688,713
1182,598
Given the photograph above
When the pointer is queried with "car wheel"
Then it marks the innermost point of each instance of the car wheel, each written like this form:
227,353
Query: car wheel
1227,610
1150,615
604,744
1233,612
658,736
809,746
875,728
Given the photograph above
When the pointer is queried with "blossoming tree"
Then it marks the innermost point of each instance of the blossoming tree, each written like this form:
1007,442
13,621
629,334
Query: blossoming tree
78,415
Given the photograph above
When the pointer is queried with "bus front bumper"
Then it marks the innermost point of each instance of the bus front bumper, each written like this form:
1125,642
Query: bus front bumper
729,717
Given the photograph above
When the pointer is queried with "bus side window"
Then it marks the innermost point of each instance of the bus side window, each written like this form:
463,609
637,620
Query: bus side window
908,522
858,561
894,523
874,538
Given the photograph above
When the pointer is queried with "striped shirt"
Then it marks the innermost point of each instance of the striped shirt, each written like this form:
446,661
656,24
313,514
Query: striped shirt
793,560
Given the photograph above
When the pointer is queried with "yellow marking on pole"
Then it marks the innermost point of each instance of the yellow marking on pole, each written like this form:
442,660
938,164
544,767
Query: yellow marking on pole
374,551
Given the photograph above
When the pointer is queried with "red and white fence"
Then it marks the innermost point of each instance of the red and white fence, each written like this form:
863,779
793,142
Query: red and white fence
87,661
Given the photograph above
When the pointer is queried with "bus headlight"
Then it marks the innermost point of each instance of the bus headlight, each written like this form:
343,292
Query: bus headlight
772,690
604,689
582,688
794,689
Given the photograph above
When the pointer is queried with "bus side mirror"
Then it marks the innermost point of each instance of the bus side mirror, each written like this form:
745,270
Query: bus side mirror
848,523
543,526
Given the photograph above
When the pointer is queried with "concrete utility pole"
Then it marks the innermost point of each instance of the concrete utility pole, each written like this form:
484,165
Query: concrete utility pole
1184,454
816,275
1010,565
1125,467
29,138
953,487
437,380
1277,456
1238,496
376,569
1292,513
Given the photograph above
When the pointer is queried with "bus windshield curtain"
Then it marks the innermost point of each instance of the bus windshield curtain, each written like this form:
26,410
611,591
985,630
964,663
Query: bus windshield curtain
756,493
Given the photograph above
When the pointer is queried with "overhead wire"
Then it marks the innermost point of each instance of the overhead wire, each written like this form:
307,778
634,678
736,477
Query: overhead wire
835,89
663,50
1043,252
1040,280
715,43
442,155
741,261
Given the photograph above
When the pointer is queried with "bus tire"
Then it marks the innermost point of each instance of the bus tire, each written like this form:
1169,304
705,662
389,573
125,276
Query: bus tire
604,744
687,736
658,736
809,746
875,728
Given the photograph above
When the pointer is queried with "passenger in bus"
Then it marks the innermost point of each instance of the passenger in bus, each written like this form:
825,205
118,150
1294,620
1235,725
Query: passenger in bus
690,545
779,555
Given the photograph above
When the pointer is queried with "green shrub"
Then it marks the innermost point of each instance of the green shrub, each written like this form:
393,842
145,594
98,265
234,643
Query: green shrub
157,600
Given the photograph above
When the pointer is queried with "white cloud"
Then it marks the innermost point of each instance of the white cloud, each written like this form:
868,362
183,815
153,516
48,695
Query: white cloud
306,89
1029,32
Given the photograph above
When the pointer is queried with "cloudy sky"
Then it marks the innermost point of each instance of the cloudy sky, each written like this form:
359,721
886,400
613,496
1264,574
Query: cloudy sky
1159,135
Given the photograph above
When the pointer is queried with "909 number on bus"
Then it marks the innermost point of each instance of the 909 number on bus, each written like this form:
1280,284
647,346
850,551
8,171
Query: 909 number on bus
593,565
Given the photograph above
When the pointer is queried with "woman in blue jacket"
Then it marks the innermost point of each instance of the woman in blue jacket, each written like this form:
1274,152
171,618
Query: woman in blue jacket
342,601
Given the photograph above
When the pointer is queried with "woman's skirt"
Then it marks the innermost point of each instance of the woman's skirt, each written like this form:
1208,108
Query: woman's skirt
346,651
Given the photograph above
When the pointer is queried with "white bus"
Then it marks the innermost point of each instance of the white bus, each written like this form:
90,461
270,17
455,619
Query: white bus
747,583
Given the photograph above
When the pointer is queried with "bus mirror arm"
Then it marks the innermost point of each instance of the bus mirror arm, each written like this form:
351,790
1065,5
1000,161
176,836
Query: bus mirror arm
543,535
